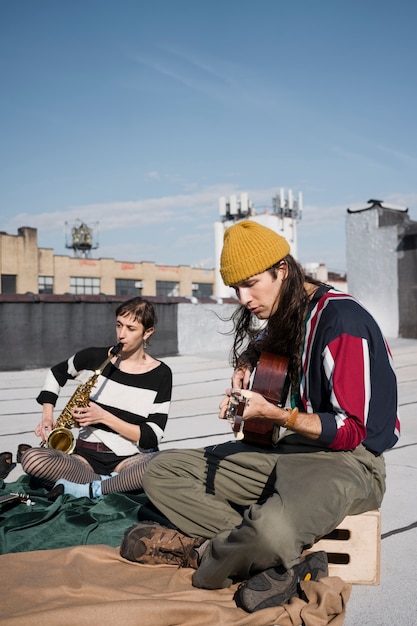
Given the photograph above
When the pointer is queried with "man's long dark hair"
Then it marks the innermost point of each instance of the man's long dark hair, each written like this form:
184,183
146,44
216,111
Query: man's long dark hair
284,331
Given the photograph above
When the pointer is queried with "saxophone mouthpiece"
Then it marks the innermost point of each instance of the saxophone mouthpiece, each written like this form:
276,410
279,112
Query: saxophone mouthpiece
116,349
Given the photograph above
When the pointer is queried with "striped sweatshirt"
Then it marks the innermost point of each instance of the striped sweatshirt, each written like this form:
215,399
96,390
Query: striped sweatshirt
141,399
348,377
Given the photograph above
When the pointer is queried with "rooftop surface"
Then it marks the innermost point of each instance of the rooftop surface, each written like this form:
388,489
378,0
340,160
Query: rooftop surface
199,385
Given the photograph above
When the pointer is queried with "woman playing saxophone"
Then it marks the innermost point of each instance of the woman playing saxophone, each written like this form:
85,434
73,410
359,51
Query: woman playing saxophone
121,425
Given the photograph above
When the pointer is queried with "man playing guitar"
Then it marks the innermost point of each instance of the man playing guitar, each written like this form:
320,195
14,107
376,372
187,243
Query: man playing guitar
246,512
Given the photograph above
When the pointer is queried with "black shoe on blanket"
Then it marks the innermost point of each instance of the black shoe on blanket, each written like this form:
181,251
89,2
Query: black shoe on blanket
276,585
153,544
6,464
21,449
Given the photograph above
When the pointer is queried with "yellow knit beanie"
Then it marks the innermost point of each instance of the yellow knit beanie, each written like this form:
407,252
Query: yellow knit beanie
250,249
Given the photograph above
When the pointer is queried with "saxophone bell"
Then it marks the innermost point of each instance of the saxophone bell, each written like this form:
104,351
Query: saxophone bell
61,438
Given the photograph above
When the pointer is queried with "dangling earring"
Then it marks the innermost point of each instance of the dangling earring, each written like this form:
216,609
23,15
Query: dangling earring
145,344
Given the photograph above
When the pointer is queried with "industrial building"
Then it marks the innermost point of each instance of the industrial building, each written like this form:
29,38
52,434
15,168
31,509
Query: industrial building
25,268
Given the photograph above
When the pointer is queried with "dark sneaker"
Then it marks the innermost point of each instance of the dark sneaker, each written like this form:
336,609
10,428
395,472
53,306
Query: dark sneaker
276,585
158,545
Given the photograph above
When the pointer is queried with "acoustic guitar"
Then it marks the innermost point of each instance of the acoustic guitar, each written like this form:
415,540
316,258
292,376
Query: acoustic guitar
272,382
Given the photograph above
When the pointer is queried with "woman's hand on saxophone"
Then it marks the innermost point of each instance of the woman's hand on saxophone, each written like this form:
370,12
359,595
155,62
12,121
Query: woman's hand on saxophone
90,414
95,414
44,427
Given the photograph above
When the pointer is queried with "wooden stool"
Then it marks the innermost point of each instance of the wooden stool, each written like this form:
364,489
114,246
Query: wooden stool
354,549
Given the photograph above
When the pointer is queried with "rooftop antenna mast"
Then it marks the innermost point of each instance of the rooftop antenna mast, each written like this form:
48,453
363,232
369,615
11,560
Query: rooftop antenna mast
80,238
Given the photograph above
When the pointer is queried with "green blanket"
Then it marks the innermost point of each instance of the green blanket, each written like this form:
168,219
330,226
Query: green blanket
66,522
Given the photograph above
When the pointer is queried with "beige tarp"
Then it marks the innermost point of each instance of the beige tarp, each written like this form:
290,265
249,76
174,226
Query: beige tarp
89,585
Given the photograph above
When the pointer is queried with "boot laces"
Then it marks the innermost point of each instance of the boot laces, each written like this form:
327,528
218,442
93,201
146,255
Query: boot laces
161,547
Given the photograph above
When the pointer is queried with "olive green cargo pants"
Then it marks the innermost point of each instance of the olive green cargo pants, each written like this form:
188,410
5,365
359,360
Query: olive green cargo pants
261,508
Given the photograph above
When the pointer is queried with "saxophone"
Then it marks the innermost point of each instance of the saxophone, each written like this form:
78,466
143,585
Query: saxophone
61,437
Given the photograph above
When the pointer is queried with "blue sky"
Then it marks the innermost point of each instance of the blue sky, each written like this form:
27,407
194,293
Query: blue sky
137,116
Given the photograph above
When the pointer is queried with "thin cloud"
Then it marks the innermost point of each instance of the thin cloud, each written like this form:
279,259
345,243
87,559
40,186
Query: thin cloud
128,214
406,159
227,83
186,207
323,216
355,157
371,160
408,200
152,176
223,73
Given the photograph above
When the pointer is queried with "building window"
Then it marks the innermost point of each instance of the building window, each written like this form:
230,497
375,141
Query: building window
202,290
126,287
84,286
45,284
167,288
8,283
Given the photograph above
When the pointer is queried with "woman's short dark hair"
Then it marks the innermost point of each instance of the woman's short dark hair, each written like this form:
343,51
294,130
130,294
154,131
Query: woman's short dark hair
142,310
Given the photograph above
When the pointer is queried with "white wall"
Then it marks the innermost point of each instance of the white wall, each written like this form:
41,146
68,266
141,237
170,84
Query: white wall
372,267
202,329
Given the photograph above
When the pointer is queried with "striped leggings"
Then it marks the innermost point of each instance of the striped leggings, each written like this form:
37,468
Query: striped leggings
49,465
